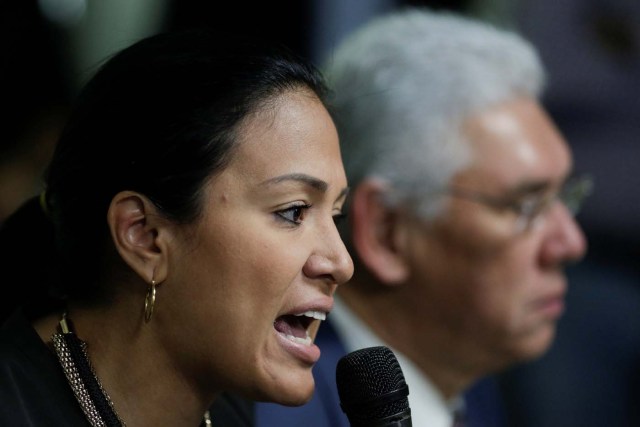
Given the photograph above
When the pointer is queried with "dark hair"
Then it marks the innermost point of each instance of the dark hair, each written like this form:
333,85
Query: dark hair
158,118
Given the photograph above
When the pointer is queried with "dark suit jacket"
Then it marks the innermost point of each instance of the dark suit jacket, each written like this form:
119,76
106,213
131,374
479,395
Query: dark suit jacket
483,402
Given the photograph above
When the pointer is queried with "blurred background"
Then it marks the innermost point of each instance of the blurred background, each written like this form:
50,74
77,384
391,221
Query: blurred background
591,48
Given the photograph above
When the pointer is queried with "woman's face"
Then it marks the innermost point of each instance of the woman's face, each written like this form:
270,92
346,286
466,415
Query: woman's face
248,282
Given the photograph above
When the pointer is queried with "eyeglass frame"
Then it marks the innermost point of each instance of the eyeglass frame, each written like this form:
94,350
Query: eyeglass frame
529,209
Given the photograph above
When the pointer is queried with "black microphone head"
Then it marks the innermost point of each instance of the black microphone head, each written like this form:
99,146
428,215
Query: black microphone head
371,386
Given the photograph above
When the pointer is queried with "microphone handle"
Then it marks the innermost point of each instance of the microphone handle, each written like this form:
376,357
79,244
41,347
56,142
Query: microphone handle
402,419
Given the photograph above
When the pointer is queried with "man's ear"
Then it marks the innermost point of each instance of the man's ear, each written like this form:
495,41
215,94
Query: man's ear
377,233
138,232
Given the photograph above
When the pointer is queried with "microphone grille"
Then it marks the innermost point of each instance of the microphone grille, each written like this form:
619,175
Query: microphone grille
363,377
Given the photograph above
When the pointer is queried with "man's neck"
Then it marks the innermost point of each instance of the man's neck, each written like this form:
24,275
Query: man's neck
411,332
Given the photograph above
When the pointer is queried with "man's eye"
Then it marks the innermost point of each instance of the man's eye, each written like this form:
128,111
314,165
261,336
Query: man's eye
339,218
534,205
293,214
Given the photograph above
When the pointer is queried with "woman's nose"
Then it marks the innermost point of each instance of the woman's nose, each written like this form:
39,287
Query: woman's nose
330,259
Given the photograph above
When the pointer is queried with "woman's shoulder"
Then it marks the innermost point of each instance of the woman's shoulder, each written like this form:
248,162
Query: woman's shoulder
33,390
17,339
232,410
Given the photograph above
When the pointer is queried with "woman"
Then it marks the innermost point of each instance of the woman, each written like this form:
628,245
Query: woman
192,196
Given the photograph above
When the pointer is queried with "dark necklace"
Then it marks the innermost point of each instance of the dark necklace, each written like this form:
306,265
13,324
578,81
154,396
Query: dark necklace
93,399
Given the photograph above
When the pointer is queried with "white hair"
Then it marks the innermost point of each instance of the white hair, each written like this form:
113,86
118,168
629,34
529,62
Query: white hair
404,83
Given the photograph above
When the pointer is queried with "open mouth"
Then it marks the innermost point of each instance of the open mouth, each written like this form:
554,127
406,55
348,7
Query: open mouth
300,328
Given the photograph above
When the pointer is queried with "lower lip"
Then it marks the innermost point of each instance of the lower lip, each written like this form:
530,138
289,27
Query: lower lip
552,307
307,354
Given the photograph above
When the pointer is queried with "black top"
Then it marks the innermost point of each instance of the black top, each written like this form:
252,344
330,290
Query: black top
34,390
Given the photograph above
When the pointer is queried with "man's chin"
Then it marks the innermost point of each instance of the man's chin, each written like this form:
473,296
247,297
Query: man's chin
536,344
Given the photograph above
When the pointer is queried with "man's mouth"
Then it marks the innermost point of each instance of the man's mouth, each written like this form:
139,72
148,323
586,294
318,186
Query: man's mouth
298,328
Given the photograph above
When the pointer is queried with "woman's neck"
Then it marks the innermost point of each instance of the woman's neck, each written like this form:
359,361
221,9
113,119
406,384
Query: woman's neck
140,377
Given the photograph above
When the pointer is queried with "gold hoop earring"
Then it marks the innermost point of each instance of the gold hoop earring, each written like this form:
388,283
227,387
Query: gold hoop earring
150,301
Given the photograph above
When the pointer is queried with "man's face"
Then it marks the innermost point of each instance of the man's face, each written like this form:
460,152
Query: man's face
496,289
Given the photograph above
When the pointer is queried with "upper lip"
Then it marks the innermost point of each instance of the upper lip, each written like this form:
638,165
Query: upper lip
318,315
556,288
325,305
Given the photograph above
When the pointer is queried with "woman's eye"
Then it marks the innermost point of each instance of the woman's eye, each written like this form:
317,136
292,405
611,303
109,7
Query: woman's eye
293,214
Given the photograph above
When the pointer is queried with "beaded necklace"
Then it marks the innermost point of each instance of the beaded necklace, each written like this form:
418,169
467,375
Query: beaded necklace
93,399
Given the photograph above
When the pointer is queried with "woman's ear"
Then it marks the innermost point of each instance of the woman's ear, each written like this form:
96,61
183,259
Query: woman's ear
138,232
377,233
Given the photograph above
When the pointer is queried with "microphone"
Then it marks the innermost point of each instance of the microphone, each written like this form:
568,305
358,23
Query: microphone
372,389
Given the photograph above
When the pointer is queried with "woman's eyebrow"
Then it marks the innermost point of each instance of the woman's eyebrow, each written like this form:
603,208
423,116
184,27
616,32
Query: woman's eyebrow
309,180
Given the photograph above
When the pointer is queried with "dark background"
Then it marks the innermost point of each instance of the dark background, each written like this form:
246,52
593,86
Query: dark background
591,48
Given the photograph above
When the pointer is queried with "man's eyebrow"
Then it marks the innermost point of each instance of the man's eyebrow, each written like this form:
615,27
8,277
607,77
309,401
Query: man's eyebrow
541,185
343,193
316,183
530,187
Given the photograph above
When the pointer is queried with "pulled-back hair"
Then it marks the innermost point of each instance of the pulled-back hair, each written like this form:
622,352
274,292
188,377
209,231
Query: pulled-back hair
159,118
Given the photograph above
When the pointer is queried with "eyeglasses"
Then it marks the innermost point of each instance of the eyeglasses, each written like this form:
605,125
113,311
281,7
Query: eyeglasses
530,209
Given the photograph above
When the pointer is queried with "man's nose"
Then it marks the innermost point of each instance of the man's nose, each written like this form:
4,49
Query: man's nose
565,241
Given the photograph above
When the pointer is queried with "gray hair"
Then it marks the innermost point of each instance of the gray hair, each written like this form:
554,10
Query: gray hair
403,85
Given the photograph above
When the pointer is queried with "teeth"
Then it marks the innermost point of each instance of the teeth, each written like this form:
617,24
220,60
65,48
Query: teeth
319,315
304,341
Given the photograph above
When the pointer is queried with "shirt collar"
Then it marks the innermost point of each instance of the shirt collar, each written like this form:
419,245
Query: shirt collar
428,406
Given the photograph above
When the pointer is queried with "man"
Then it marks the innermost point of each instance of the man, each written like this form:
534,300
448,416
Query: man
461,211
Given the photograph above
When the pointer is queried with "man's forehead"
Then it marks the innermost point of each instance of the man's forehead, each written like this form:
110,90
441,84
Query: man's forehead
515,146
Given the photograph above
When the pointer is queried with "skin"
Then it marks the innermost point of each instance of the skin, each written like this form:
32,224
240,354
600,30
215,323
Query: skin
254,255
469,295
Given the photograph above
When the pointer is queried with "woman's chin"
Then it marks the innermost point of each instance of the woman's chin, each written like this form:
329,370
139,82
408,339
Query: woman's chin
295,400
291,393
